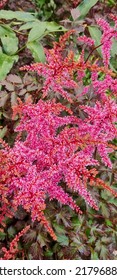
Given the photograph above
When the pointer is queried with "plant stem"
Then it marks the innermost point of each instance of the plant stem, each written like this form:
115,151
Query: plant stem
93,51
23,47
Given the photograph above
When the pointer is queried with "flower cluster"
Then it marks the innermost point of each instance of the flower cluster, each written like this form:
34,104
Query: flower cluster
57,149
57,71
86,40
101,124
108,34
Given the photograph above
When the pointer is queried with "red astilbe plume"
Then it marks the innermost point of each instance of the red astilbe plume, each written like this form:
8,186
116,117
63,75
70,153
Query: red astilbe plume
13,249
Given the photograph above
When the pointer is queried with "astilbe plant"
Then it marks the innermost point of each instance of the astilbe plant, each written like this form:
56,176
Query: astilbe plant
61,67
55,149
39,164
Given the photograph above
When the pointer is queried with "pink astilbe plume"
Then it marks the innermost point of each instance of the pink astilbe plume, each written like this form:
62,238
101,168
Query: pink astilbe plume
86,40
101,88
60,69
57,70
108,34
5,170
101,124
56,150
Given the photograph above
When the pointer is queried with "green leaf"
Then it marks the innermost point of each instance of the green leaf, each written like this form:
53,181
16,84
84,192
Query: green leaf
94,256
96,34
11,231
53,27
27,25
113,68
87,232
63,240
37,51
2,235
105,195
37,31
48,253
91,240
3,98
98,245
108,223
76,222
114,48
3,30
85,6
103,253
50,26
21,16
104,210
9,40
113,201
59,229
106,240
6,63
3,132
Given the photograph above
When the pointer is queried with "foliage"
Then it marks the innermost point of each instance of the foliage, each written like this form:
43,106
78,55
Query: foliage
46,8
9,37
110,3
90,236
12,87
84,7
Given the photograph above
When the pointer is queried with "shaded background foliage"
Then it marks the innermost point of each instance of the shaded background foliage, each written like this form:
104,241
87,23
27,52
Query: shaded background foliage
94,234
